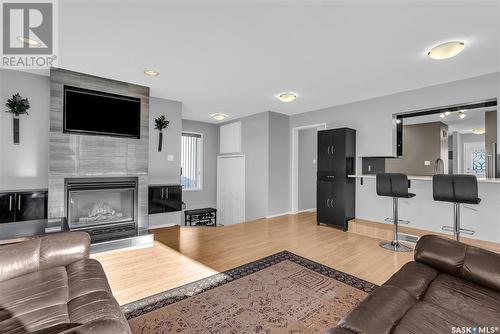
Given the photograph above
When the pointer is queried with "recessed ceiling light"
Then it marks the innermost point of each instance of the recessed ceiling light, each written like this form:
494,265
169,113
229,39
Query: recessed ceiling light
446,113
219,116
287,96
461,114
152,73
446,50
478,131
28,41
442,115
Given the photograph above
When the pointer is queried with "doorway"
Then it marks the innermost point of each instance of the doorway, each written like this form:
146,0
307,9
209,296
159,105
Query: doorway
230,189
304,143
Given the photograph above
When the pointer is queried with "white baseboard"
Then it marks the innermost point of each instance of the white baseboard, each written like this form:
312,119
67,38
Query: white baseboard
279,214
290,213
307,210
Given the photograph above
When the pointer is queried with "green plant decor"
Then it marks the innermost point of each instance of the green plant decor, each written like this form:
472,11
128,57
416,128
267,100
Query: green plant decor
160,124
17,105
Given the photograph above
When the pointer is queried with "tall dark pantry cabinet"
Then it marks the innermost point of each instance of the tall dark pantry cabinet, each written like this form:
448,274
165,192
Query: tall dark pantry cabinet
335,192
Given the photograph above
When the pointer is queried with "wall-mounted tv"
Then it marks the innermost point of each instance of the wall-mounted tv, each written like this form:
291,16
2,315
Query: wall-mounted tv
97,113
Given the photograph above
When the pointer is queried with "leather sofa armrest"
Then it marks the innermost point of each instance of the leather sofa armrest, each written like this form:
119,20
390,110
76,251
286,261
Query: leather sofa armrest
43,252
101,326
62,249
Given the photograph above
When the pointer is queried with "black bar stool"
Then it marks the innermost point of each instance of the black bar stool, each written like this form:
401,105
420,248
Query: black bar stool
456,189
394,185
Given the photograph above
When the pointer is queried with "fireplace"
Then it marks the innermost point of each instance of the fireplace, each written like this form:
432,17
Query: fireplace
101,205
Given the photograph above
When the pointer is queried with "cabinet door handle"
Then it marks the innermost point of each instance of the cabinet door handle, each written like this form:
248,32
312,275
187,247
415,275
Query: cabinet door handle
166,193
328,150
162,193
331,202
19,202
10,202
332,149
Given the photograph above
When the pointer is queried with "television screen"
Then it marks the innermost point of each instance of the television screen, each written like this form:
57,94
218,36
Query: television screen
97,113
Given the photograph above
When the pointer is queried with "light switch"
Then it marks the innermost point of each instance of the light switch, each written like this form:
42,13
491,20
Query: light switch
427,163
170,157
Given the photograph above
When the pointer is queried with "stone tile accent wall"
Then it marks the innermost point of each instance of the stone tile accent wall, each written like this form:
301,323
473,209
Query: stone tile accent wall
72,155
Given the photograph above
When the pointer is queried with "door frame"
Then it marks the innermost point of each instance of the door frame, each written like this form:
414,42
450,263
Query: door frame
219,178
294,198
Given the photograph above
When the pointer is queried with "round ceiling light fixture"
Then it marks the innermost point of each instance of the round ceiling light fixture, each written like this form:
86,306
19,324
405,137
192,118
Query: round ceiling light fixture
461,114
219,116
478,131
446,50
287,96
28,41
151,73
442,115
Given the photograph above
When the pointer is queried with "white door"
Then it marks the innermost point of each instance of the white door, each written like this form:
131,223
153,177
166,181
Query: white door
230,189
475,159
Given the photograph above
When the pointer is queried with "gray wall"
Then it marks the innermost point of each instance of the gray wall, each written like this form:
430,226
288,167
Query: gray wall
279,163
307,169
255,146
207,197
372,118
421,142
24,166
490,122
161,170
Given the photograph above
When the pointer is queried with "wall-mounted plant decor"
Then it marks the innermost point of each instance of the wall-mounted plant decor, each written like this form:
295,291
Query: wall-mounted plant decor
160,124
17,106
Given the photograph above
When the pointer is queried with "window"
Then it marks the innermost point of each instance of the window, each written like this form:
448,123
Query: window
191,156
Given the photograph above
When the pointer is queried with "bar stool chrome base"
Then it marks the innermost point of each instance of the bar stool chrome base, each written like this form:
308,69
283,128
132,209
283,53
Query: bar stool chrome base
395,246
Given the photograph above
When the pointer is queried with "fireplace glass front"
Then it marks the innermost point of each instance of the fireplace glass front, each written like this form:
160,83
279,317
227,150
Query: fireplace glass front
100,204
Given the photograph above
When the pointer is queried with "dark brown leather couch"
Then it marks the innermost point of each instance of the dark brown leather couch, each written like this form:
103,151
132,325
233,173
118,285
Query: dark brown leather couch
449,285
49,285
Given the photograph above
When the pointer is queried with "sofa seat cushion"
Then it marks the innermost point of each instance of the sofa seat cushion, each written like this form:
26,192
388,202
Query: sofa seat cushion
424,316
57,299
470,300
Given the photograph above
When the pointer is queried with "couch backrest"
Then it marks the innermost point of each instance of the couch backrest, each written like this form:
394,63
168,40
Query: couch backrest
44,252
455,258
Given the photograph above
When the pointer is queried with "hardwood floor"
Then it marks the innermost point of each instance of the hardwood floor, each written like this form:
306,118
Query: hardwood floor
185,254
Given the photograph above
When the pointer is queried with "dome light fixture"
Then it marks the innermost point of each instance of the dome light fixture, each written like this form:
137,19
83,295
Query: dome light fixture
219,116
151,73
287,96
446,50
442,115
29,41
478,131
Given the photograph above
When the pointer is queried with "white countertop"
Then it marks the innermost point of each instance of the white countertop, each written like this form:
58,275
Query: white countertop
425,178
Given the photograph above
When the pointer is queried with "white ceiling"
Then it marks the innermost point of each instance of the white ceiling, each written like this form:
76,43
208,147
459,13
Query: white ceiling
234,57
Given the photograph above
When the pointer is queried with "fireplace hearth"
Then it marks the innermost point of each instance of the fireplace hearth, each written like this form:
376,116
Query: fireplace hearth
102,207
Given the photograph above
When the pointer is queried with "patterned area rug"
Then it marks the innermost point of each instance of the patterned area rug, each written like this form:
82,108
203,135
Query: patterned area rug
282,293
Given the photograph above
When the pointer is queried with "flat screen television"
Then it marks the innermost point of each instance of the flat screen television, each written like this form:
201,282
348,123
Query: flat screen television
97,113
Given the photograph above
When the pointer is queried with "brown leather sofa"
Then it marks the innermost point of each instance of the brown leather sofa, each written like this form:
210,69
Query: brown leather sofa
49,285
450,287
